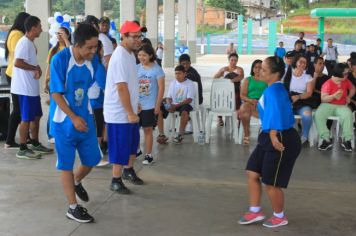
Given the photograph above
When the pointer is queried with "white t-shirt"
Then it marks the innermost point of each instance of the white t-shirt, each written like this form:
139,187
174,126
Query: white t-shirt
178,92
23,82
107,44
331,54
122,69
299,84
159,53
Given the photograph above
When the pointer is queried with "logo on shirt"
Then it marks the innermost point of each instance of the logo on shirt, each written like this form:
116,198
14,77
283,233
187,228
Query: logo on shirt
180,95
144,89
79,96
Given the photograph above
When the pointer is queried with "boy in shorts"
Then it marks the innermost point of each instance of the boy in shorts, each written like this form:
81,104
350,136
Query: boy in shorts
72,123
179,98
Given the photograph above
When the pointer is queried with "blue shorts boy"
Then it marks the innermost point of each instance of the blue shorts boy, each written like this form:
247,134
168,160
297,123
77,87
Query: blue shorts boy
87,147
30,107
123,141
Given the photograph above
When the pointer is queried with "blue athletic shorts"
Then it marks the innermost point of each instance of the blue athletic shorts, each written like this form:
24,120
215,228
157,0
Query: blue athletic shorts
123,141
88,150
30,107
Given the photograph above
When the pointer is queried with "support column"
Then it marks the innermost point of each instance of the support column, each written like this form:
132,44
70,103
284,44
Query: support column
168,11
43,12
182,22
239,34
94,7
272,36
249,36
321,30
127,10
152,21
192,30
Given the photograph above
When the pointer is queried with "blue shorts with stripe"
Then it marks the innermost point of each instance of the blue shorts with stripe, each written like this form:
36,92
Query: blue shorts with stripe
30,107
123,141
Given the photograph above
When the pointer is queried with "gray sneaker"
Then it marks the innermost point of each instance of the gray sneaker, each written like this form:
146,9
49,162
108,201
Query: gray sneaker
41,149
28,154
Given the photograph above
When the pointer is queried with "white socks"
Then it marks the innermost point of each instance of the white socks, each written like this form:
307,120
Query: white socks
279,215
255,209
72,206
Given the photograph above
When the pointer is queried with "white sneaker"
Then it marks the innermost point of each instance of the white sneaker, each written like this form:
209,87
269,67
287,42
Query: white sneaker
189,128
103,163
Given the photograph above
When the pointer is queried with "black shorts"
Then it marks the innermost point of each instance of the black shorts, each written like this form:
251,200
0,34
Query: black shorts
99,121
275,167
188,108
147,118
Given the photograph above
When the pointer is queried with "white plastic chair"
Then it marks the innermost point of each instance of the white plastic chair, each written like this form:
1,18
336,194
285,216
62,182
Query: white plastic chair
313,133
173,119
222,103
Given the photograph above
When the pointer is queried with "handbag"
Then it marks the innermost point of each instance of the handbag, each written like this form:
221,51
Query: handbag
310,102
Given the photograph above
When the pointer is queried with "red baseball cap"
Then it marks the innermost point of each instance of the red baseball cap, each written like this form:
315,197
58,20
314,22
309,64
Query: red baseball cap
130,27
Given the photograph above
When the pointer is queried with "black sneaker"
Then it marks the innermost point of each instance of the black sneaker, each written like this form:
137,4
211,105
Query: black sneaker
118,186
325,145
138,153
79,214
148,160
347,146
81,192
178,139
130,174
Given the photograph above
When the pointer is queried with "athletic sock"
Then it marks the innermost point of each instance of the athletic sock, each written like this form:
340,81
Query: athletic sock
279,215
255,209
73,206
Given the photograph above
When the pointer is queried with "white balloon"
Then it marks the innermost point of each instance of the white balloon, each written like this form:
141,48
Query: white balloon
112,32
67,18
51,20
55,26
53,41
51,31
57,14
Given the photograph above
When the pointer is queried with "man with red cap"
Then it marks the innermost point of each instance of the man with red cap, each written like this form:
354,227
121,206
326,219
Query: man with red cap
121,108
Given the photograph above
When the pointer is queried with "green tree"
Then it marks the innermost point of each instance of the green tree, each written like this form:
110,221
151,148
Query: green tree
229,5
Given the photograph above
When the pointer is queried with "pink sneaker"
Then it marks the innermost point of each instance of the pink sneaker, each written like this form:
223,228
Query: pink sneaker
275,222
251,217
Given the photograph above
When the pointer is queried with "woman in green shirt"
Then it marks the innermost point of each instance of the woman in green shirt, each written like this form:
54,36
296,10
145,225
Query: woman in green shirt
251,90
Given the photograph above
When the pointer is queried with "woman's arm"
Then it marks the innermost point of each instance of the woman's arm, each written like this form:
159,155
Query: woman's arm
275,142
160,94
309,92
46,80
240,76
220,73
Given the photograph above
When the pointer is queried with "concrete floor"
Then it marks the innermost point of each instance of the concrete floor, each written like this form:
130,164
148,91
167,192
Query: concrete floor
190,190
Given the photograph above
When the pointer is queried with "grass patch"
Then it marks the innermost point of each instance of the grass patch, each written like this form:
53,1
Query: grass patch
212,30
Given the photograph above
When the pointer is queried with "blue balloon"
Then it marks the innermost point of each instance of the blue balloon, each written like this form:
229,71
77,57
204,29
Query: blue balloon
59,19
65,24
113,25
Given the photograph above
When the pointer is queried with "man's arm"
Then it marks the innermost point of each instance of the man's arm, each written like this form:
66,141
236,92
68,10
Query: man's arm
20,63
124,95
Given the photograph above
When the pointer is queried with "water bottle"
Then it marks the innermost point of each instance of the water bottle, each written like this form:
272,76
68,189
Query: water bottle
201,138
167,106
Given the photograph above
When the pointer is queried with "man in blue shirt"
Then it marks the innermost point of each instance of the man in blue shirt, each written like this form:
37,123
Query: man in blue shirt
280,51
72,124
